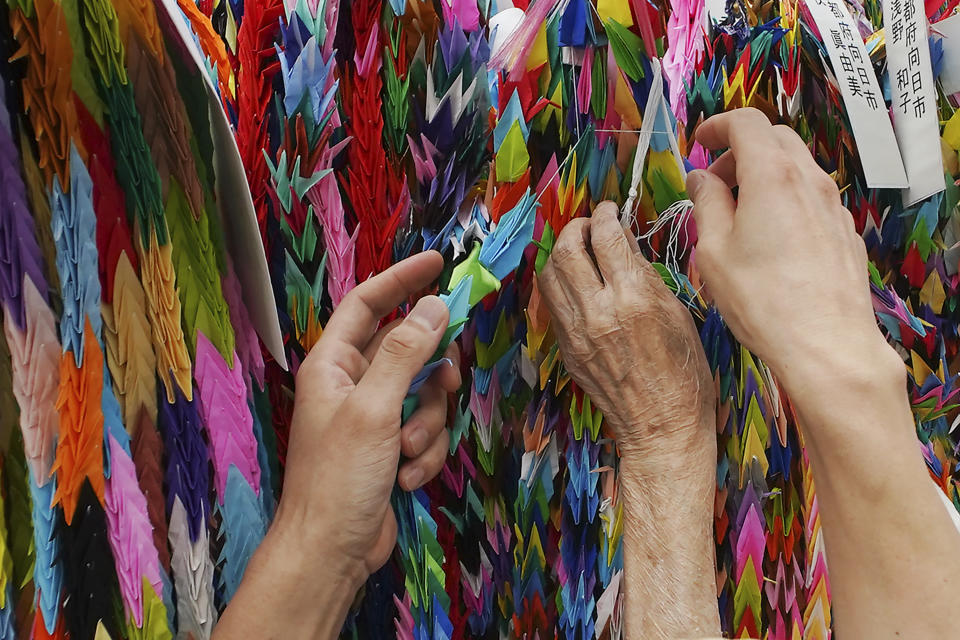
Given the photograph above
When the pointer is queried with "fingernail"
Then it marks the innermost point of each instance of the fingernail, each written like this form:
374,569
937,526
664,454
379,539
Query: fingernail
430,313
413,478
694,180
417,438
456,370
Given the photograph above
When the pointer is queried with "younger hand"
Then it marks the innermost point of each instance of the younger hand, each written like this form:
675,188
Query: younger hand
346,438
629,343
783,262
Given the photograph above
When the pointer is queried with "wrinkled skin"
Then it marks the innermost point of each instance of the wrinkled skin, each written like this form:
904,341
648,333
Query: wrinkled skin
630,344
626,339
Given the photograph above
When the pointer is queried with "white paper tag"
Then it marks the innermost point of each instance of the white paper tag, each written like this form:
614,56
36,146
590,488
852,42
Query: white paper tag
949,32
913,97
879,153
234,201
717,9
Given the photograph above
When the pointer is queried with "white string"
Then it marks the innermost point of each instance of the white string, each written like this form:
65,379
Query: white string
676,216
627,213
656,101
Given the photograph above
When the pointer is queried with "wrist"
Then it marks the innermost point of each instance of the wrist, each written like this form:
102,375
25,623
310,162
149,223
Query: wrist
674,449
863,360
317,554
671,588
291,589
323,578
868,375
855,412
673,494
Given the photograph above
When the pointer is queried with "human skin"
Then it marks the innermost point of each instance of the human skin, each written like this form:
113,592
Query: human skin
630,344
334,524
804,306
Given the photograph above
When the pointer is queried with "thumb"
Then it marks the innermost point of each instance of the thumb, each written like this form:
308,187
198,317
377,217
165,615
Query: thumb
713,205
402,354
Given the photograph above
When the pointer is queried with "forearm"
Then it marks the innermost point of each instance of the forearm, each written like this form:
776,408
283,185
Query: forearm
669,568
289,593
889,542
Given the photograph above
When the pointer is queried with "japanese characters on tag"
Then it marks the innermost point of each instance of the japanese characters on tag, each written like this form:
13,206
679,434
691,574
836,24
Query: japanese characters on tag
913,96
876,142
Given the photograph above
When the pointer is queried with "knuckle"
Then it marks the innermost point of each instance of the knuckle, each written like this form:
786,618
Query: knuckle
826,186
317,366
561,251
631,302
707,251
321,382
783,165
566,246
606,237
788,136
355,294
784,130
751,114
785,135
401,341
572,234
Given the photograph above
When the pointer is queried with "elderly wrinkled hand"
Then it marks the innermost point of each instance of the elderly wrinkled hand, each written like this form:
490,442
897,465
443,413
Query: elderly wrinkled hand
626,340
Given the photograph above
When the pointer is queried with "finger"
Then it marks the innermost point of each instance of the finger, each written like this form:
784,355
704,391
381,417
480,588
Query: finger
798,151
571,258
815,179
552,290
646,269
749,136
725,168
613,253
402,354
356,319
632,240
414,473
382,549
371,349
713,205
342,356
447,377
426,423
793,144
